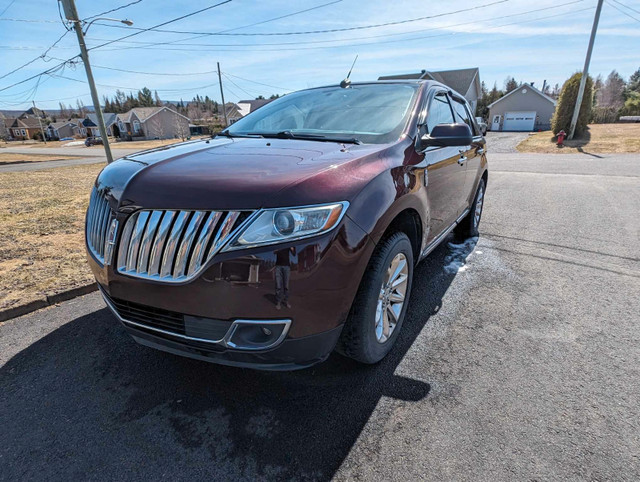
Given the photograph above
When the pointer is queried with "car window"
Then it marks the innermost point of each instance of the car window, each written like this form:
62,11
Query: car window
439,111
461,114
373,113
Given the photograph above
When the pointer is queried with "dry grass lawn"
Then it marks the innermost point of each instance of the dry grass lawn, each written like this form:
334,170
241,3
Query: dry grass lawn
599,139
8,158
41,241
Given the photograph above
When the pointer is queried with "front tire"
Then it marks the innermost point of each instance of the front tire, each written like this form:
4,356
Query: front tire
379,309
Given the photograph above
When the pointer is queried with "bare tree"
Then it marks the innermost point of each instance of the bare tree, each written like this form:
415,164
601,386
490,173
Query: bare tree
611,94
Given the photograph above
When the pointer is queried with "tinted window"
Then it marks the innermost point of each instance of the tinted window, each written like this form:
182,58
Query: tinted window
373,113
439,112
461,113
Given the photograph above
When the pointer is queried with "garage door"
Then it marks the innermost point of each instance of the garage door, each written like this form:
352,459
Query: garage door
519,121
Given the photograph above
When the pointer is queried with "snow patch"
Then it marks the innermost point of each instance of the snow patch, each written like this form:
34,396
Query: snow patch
456,260
74,143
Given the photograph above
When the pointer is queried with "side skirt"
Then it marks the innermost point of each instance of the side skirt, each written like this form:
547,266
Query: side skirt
436,242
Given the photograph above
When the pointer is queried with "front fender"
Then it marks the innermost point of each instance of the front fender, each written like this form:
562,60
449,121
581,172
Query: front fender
395,190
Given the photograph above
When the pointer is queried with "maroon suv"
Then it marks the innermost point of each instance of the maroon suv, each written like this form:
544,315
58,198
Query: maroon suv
292,233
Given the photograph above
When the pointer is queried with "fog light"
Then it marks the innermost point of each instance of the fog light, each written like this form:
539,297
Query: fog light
257,335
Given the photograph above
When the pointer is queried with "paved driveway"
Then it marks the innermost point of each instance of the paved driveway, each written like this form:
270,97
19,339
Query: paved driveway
519,360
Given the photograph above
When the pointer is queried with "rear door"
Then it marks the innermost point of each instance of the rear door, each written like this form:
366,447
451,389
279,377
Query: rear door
445,169
473,152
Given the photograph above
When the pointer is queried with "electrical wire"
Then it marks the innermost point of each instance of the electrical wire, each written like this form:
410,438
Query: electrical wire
622,11
41,56
162,24
334,30
7,7
626,6
112,10
313,42
360,44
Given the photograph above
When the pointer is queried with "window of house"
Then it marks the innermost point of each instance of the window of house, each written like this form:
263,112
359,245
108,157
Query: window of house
23,132
439,111
121,126
136,126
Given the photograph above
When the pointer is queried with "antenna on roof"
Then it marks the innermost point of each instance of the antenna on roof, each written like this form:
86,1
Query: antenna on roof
346,83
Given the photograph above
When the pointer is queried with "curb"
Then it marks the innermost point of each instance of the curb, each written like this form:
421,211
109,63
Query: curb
49,300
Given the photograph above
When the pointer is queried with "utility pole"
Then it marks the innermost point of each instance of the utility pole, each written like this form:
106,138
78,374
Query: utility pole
44,138
224,107
585,72
72,14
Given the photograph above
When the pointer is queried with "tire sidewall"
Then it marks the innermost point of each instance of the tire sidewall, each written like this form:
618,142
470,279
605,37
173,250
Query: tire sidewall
373,350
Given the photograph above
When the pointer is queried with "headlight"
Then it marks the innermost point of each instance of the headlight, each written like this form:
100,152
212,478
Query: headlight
271,226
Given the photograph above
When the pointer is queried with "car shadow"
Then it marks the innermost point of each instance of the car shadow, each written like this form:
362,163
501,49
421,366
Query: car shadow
86,401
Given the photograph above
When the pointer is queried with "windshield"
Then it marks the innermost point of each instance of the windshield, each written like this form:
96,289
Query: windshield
370,113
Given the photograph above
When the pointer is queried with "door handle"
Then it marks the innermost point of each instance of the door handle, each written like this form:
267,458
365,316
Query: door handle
462,158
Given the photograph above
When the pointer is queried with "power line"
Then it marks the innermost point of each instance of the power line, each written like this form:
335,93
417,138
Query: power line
259,83
334,30
163,23
7,7
112,10
41,56
110,86
312,42
627,6
242,26
359,44
622,11
230,80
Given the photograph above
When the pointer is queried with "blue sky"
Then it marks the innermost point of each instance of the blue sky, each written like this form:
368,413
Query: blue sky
547,44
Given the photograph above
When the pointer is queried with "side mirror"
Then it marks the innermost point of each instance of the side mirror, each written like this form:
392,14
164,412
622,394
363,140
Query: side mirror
446,135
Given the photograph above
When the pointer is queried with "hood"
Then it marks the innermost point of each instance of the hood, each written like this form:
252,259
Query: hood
241,173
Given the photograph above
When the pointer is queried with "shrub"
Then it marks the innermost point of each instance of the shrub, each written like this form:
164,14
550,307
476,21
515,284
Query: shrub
561,120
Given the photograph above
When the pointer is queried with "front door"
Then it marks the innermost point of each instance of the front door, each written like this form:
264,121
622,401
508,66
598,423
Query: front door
495,125
445,175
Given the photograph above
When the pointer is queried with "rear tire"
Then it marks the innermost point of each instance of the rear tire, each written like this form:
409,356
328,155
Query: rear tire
469,225
380,306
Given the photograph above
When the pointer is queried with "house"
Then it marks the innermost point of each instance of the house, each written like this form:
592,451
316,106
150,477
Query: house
62,129
247,106
25,128
523,109
152,123
34,112
464,81
89,125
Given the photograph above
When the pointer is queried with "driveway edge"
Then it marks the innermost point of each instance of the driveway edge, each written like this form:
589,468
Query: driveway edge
49,300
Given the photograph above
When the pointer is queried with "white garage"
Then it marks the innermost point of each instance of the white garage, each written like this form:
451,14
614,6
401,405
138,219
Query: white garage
523,109
519,121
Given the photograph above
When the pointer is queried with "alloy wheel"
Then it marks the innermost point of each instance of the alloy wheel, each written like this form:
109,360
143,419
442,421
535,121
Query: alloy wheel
478,212
391,299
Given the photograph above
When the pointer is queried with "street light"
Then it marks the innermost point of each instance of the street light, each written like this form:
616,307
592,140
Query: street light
126,21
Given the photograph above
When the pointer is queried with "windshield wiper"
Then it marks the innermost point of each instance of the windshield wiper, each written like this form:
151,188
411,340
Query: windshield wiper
226,133
307,137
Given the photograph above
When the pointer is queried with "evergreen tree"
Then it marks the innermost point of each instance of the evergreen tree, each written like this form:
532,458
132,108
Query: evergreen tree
510,84
561,120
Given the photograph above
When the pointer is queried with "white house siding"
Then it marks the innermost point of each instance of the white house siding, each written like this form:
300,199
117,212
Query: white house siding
525,99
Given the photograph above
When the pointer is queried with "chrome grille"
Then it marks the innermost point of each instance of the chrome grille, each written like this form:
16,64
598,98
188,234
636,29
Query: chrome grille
97,224
168,245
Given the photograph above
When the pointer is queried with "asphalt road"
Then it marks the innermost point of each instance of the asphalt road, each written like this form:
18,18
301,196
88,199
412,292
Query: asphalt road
520,360
82,155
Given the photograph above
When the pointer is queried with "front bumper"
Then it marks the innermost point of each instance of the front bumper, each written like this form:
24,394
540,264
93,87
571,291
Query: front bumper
240,286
